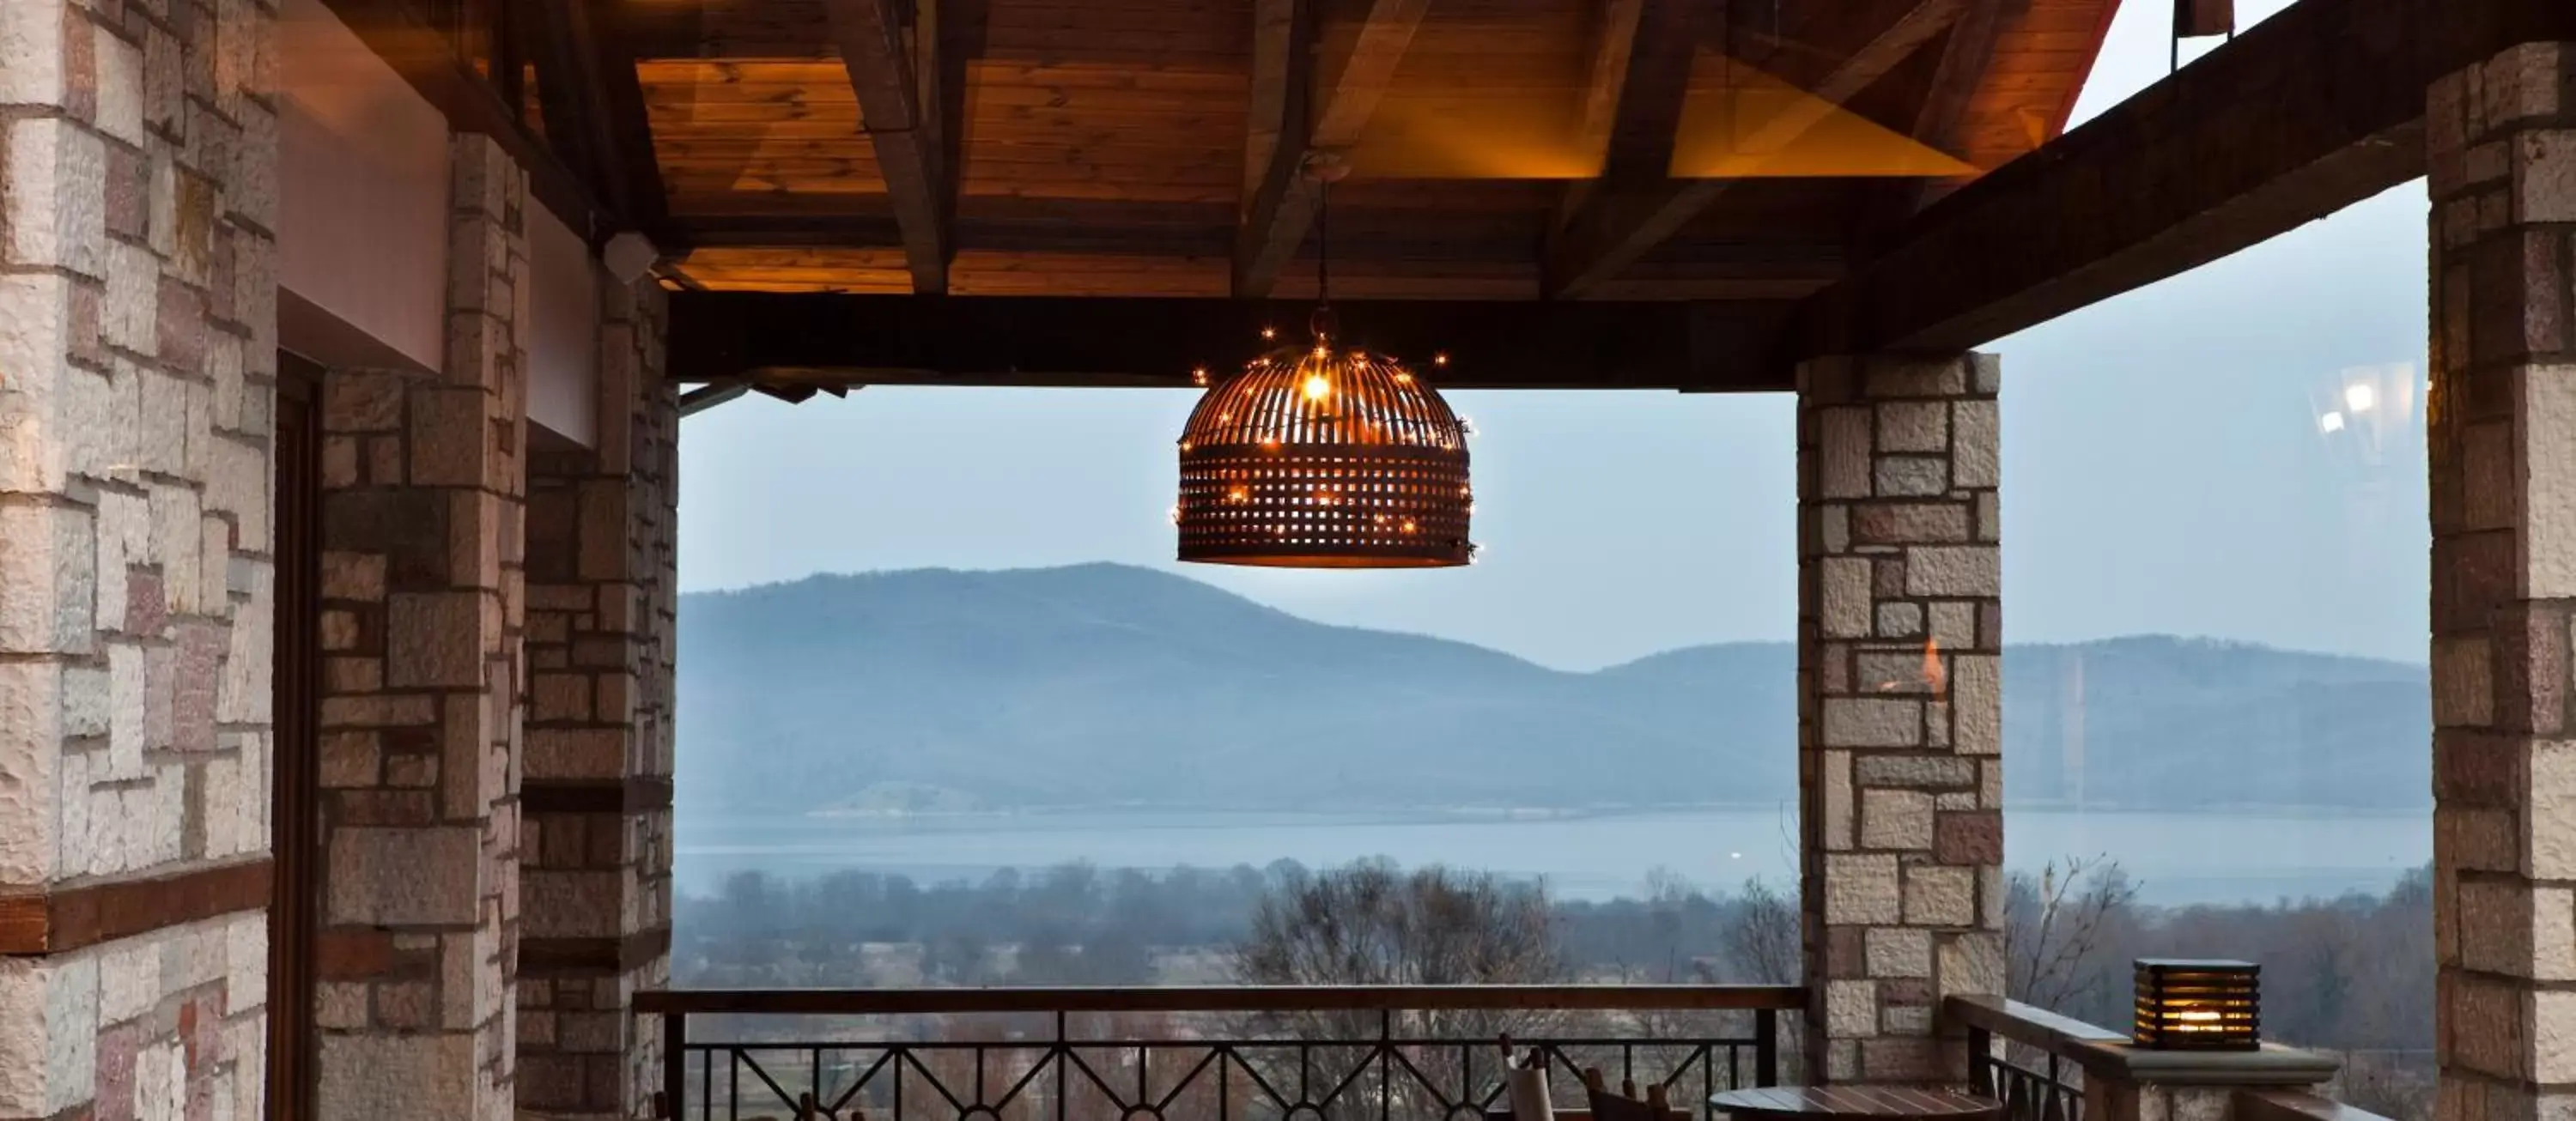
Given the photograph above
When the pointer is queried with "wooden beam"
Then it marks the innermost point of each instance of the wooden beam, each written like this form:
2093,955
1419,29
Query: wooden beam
594,105
2317,108
428,62
53,920
1619,224
1632,97
787,342
1280,39
889,70
1966,54
1337,99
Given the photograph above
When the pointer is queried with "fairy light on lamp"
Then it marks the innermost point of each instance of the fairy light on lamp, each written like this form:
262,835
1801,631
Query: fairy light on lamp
1322,454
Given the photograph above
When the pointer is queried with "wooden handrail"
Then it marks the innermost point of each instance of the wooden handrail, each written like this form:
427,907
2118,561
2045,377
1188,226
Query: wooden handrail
2026,1023
1216,998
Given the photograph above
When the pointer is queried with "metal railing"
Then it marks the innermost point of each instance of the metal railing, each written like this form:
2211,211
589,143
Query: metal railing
1422,1053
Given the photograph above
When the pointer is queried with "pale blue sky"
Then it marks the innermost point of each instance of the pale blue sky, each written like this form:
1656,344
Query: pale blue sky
2163,472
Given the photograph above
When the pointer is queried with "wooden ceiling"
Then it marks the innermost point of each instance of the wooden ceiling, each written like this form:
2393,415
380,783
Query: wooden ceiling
1498,149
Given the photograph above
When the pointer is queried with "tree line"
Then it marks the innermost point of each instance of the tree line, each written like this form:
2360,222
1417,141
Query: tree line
2352,973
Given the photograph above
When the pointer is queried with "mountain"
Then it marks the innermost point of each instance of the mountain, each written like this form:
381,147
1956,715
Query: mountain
1106,685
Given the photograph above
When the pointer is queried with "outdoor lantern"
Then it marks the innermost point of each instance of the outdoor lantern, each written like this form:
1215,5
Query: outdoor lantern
2198,1006
1324,456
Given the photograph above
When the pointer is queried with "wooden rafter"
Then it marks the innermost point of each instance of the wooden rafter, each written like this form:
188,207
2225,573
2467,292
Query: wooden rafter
594,109
1617,224
890,71
1330,103
1965,57
2308,112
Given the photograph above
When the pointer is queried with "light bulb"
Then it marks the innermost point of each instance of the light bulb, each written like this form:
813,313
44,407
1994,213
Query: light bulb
1199,375
1439,359
1317,388
1269,333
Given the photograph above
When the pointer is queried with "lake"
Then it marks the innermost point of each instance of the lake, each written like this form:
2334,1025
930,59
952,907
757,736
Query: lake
2178,858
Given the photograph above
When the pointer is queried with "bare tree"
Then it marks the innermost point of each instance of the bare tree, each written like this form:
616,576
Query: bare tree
1370,923
1762,937
2056,927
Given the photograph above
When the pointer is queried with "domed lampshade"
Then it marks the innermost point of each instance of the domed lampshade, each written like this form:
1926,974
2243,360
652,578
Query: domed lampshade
1324,456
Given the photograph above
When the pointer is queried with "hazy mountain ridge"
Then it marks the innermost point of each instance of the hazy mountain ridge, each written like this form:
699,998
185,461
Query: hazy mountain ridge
1100,685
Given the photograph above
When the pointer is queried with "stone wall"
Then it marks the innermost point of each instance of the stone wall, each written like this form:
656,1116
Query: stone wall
1900,713
2502,446
138,200
420,731
602,607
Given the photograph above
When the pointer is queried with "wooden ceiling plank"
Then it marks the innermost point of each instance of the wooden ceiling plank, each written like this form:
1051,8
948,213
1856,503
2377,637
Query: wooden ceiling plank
889,74
2306,113
1617,224
1331,102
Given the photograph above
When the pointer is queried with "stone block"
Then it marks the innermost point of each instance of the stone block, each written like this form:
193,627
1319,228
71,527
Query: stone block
448,428
1940,895
1862,889
1851,1009
2523,83
1919,772
1900,620
1976,460
1910,476
1975,837
2552,770
405,877
398,1078
1843,453
2553,1036
1887,376
1837,800
1964,571
1909,523
1846,607
56,214
1896,951
2544,176
48,580
1976,704
49,1030
1903,1058
33,50
2548,440
1970,963
1872,722
434,639
1913,426
1895,819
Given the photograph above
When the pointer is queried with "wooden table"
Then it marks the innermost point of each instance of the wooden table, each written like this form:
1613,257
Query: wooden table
1852,1103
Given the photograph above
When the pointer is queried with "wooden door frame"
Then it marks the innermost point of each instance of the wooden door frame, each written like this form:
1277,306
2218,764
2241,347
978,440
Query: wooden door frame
294,811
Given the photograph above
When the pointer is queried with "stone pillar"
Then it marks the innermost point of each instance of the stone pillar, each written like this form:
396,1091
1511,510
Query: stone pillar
1900,714
602,602
422,607
2502,450
138,195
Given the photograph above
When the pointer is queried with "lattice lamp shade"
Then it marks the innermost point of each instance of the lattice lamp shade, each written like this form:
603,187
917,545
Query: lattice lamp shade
1324,457
2198,1005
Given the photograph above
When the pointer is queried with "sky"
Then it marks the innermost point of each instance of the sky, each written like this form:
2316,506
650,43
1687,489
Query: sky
2167,469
